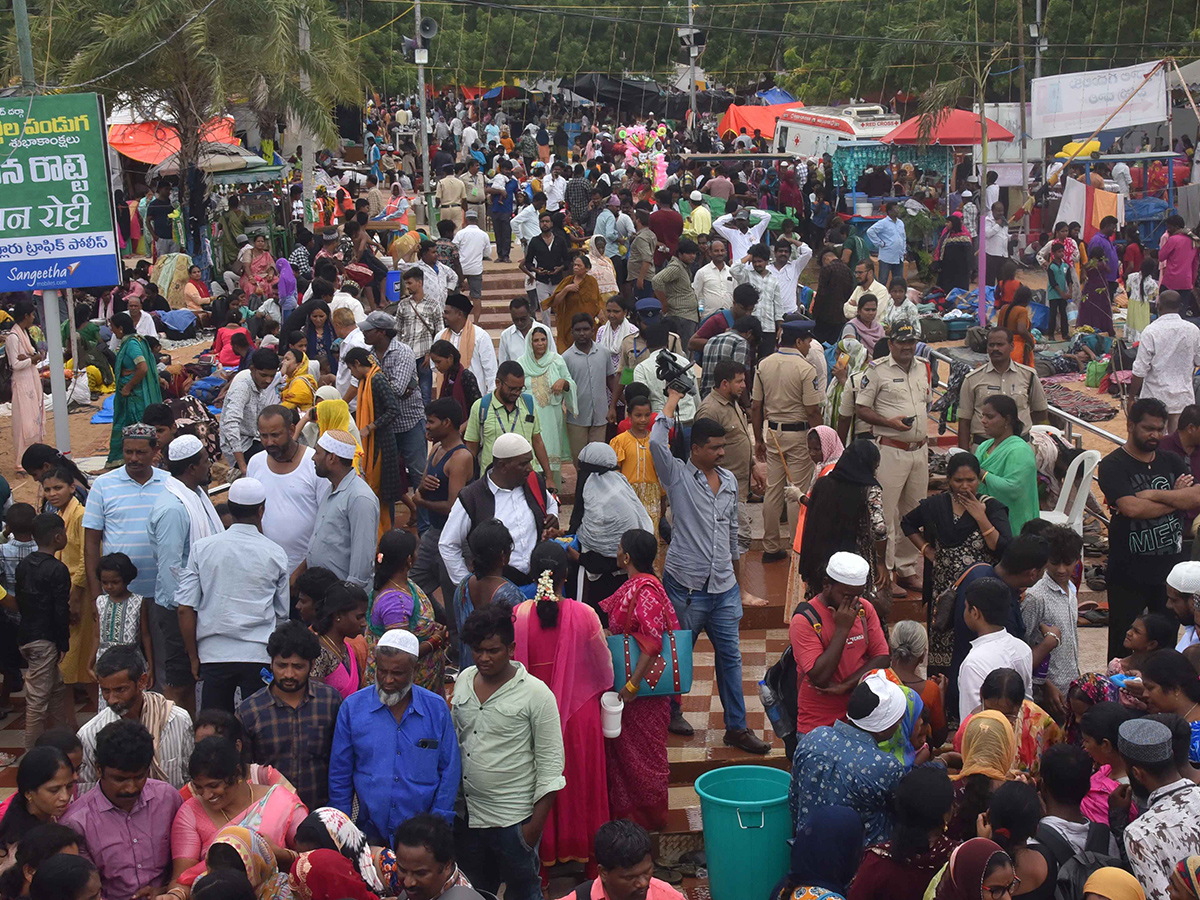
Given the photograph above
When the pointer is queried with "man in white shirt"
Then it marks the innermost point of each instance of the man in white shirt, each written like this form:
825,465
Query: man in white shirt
995,241
474,246
1123,178
1168,355
289,478
346,300
555,187
440,279
646,372
472,342
469,137
988,602
754,269
713,283
512,338
864,274
738,230
991,194
787,268
345,326
525,222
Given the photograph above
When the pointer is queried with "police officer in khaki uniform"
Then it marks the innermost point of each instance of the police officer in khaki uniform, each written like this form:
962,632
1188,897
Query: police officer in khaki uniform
893,398
787,399
999,375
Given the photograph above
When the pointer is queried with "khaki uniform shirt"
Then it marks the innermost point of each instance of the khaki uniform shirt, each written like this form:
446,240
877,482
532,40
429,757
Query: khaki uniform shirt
474,187
890,391
451,192
730,415
633,350
1019,382
786,384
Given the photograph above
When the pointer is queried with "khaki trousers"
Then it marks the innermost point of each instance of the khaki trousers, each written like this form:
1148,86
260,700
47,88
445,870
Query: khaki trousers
794,447
579,436
904,477
47,699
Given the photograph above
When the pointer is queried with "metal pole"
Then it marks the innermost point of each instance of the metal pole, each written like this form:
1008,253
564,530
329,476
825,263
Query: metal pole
307,152
1037,46
54,358
1021,137
24,44
421,126
693,50
72,332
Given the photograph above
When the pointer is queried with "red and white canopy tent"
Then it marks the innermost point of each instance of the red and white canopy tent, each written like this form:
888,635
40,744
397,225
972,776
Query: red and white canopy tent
146,138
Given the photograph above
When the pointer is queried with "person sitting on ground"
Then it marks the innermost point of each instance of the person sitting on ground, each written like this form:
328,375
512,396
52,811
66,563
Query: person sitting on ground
1003,690
825,856
1148,633
625,865
988,748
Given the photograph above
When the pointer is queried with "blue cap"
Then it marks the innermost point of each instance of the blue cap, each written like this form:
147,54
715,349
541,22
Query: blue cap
649,307
798,328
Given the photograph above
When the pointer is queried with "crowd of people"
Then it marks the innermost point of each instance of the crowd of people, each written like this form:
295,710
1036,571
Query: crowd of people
376,668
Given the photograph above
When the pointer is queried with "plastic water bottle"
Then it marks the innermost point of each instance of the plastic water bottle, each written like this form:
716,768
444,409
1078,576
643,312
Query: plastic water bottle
775,712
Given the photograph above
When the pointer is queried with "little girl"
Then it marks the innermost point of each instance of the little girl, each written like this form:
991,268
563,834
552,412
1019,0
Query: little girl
121,617
1148,633
1142,288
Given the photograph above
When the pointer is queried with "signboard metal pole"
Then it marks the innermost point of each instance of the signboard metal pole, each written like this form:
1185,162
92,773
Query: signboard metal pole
54,357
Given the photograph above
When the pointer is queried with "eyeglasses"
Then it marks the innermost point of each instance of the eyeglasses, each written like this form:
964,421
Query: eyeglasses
1006,890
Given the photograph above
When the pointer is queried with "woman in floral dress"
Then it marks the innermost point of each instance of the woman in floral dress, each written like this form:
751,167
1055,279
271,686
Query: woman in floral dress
399,603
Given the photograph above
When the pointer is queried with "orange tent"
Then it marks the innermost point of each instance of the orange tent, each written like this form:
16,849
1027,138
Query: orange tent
152,142
750,117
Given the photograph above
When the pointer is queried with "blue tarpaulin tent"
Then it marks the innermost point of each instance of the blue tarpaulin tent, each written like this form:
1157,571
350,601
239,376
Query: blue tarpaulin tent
775,95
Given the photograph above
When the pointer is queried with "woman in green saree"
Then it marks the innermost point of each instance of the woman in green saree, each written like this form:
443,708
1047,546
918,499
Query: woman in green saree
551,384
137,381
1007,460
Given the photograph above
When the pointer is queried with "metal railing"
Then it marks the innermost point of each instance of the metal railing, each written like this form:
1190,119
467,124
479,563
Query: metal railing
1070,422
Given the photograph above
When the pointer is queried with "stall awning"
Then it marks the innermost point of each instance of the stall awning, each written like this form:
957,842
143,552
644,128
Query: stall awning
152,142
954,128
750,117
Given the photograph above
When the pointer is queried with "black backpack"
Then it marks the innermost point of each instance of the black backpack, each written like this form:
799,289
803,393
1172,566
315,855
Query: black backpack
782,677
1074,867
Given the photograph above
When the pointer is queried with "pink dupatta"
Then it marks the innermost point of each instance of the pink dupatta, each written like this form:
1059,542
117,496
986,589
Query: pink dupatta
583,667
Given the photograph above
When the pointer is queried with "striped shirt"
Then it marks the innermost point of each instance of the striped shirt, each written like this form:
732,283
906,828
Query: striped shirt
120,507
172,749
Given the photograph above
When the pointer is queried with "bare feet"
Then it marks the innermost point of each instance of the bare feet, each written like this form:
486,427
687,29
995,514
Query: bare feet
749,599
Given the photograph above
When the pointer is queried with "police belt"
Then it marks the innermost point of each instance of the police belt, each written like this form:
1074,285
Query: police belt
787,426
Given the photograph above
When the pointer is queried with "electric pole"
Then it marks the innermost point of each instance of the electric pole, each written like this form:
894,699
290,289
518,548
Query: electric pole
421,57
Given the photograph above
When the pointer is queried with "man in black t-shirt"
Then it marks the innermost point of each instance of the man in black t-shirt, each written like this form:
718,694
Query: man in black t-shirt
158,211
1147,492
546,260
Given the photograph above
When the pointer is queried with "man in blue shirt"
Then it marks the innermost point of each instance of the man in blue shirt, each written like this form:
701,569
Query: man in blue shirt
394,746
890,240
842,765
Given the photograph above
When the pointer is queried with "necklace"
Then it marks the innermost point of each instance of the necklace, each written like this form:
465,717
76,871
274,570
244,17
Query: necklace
1190,708
341,653
226,815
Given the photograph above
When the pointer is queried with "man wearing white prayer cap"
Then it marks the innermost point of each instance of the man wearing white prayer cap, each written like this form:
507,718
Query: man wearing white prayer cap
1183,599
836,638
511,492
371,747
842,765
344,536
232,595
182,514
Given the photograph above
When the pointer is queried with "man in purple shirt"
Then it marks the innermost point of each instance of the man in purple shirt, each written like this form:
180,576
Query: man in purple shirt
1185,441
1101,245
126,819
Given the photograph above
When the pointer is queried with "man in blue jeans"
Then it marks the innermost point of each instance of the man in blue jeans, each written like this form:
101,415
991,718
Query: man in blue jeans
701,571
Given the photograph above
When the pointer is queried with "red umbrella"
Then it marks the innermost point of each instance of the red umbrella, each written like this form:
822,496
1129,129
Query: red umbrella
954,128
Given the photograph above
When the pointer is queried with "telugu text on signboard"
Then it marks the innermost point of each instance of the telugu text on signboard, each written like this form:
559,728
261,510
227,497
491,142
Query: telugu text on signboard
56,213
1077,104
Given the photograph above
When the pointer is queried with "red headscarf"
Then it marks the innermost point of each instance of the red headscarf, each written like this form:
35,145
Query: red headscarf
327,875
963,878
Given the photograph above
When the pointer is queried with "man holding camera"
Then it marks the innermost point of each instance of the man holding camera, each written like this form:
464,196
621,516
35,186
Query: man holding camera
659,367
787,398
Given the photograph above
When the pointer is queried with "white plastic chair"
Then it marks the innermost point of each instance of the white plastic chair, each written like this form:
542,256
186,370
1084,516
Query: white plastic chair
1079,481
1051,430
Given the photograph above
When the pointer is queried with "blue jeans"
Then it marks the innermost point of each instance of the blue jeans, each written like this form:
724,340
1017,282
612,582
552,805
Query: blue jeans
718,615
412,447
887,270
425,379
491,857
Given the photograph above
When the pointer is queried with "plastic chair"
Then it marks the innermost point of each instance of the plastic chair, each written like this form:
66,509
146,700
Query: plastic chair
1078,479
1051,430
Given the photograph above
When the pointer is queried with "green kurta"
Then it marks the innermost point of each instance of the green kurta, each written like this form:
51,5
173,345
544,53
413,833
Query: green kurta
1010,475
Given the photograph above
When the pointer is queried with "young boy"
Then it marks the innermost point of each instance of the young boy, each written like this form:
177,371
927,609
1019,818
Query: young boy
43,596
1053,603
19,523
1066,778
987,604
1058,291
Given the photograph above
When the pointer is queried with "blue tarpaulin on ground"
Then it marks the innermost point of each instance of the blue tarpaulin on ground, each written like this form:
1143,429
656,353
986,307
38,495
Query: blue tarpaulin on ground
105,415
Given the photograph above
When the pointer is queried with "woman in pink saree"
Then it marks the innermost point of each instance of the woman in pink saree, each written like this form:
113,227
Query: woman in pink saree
28,407
561,642
259,275
638,771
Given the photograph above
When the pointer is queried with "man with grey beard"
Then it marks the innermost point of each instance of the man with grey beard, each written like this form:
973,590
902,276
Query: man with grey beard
394,746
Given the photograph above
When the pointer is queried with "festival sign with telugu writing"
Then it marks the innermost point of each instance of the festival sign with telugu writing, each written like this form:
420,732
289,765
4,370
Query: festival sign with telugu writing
56,213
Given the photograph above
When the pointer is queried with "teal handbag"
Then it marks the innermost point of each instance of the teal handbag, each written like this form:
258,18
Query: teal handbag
670,674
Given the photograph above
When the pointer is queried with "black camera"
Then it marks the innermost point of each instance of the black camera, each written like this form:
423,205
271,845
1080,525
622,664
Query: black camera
673,374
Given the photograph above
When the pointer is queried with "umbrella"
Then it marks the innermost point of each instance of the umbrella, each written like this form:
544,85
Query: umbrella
505,92
213,158
953,128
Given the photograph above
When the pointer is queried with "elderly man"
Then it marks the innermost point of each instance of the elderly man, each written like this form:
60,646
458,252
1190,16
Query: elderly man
505,493
842,765
394,746
250,391
345,326
1183,584
123,676
125,823
713,282
182,515
344,536
289,478
228,609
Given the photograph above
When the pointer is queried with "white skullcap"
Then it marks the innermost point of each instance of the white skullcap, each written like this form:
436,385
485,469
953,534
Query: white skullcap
889,710
399,639
1185,577
510,445
247,492
966,195
848,568
333,442
696,197
188,445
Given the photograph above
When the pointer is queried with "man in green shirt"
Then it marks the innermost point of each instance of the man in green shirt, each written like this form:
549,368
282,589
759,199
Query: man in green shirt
507,409
673,288
854,248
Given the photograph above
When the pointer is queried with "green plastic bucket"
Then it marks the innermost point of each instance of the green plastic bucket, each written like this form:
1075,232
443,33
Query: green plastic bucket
747,825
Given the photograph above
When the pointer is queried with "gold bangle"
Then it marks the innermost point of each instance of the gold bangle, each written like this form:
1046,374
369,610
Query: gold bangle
631,687
991,530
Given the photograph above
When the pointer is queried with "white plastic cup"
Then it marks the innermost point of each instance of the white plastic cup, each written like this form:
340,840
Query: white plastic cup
610,714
